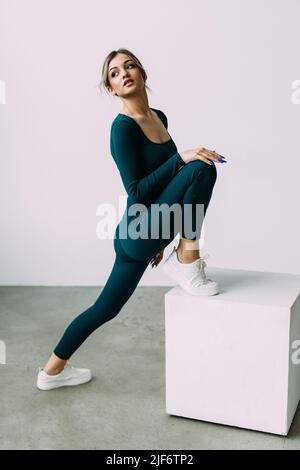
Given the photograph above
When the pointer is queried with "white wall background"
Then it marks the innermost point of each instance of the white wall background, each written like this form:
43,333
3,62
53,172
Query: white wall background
223,72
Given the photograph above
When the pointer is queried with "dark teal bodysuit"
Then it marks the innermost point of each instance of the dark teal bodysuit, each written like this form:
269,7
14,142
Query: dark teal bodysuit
152,173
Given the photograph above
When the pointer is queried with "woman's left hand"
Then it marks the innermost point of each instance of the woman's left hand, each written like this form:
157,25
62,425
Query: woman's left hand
157,258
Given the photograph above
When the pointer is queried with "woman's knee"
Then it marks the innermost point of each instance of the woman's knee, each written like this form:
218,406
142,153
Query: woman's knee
201,169
213,173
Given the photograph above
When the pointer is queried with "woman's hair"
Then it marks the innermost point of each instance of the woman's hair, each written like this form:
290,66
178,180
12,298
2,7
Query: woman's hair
104,78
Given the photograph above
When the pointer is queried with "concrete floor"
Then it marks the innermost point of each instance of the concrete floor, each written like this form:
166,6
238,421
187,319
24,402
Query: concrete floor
123,407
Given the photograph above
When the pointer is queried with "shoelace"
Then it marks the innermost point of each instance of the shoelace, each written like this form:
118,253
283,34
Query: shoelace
201,264
68,364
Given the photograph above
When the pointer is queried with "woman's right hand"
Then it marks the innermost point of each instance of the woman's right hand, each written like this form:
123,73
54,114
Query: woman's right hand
200,153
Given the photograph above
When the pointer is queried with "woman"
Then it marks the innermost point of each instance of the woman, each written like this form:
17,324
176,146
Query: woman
153,173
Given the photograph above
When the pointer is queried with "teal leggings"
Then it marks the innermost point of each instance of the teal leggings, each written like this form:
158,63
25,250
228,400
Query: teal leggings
193,184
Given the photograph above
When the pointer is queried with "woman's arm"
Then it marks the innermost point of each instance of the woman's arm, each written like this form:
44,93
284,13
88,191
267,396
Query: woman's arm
125,144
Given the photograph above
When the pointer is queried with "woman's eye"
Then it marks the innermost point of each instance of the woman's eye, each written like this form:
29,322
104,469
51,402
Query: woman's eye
113,74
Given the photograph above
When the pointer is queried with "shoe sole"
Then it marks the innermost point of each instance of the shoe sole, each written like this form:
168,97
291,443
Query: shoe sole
214,291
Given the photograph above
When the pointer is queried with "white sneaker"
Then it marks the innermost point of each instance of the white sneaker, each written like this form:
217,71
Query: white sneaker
68,376
190,276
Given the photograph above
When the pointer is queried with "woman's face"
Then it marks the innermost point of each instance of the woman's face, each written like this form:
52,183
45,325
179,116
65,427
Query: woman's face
122,68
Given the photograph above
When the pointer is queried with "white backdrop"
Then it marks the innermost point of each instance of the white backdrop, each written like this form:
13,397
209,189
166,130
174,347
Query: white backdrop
223,71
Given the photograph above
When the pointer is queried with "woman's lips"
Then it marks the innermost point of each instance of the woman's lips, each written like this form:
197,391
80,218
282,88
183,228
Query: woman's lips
130,82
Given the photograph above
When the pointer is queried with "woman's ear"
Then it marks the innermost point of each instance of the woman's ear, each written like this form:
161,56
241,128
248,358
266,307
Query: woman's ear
110,90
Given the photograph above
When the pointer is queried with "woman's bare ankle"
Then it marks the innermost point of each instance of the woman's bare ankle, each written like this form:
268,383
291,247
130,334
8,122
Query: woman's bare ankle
188,250
55,365
52,371
187,256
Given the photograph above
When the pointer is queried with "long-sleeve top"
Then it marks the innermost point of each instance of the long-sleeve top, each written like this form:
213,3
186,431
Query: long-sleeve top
145,167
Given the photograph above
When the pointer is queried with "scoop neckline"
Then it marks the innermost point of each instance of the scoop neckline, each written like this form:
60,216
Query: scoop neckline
147,138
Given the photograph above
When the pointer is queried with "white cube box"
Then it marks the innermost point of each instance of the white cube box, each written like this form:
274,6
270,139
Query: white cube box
234,358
